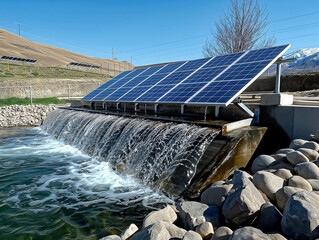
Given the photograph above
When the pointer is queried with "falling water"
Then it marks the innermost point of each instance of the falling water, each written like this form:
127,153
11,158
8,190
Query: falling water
163,155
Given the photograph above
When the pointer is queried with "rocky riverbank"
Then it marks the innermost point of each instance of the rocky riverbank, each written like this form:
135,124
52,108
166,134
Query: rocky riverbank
277,199
24,116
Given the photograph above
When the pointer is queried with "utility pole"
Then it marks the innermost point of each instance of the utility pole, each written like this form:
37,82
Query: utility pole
112,53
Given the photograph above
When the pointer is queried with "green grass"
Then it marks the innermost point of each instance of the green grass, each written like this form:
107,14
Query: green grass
26,101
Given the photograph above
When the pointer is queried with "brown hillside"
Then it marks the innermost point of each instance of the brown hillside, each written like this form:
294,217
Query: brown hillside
16,46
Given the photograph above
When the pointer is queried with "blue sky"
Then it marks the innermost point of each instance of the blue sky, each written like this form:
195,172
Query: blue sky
150,31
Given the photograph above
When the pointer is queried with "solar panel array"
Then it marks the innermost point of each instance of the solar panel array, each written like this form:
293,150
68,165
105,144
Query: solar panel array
18,59
75,64
208,81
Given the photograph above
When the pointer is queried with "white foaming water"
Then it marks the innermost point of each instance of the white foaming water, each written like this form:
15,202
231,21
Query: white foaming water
59,175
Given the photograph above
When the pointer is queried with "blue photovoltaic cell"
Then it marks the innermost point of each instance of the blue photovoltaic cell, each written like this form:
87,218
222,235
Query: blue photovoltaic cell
182,92
130,96
216,80
194,64
104,86
237,77
154,93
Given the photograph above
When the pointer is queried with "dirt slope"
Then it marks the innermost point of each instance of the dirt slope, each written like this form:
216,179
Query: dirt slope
16,46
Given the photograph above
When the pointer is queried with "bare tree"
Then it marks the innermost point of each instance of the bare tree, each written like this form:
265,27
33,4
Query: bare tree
242,28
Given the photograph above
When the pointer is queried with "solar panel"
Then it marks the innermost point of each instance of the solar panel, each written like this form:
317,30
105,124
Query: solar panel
208,81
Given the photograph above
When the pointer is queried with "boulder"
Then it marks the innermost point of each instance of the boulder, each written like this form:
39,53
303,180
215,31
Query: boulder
311,154
284,150
159,231
111,237
262,162
311,145
296,157
249,233
166,214
243,201
129,231
193,213
283,173
222,233
216,194
314,184
307,170
191,235
299,182
301,216
205,230
269,218
297,143
279,157
276,236
282,165
268,183
283,194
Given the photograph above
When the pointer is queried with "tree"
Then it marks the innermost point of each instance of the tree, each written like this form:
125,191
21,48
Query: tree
242,28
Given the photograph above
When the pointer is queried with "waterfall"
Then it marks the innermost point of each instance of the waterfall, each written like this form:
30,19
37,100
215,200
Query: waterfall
163,155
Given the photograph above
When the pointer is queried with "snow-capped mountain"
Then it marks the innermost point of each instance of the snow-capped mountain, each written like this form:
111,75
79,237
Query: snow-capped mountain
307,61
308,56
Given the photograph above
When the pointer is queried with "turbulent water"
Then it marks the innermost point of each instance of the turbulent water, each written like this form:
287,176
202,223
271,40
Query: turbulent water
58,181
163,155
49,190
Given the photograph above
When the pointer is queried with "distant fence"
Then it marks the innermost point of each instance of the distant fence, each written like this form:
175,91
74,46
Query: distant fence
23,68
290,70
68,90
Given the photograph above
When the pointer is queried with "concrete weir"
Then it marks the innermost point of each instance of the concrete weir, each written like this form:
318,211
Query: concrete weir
231,149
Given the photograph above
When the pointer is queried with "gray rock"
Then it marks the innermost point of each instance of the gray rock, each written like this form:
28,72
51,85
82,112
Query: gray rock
297,143
283,194
299,182
218,183
111,237
282,165
311,145
166,214
284,150
191,235
194,213
279,157
316,162
276,236
269,218
315,136
314,184
243,201
301,216
283,173
296,157
159,231
268,183
129,231
249,233
222,233
262,162
205,230
216,194
311,154
307,170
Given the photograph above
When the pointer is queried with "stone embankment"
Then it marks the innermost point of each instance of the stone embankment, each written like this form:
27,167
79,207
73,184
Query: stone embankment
23,116
278,199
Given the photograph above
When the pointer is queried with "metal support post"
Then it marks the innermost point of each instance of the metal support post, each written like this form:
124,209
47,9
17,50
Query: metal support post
182,109
278,73
69,91
31,94
217,111
155,108
117,106
105,106
135,107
